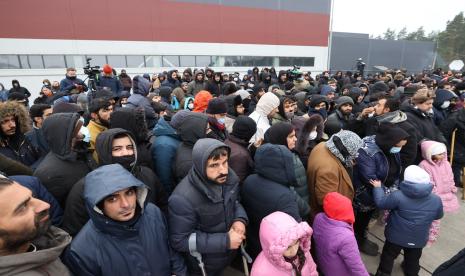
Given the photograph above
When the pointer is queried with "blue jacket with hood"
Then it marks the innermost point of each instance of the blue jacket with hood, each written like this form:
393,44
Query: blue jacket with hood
413,209
138,99
207,209
108,247
164,152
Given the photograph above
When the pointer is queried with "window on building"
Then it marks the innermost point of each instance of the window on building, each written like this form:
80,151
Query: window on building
9,62
135,61
36,62
203,61
187,61
54,61
153,61
75,61
170,61
232,61
117,61
24,62
97,60
299,61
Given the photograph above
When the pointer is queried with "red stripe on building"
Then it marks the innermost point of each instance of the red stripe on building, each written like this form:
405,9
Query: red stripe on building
159,20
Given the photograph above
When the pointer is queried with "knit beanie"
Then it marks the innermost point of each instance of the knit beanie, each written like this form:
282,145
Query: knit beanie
345,145
379,87
277,134
217,106
267,103
344,100
338,207
436,148
387,135
415,174
107,69
244,128
179,118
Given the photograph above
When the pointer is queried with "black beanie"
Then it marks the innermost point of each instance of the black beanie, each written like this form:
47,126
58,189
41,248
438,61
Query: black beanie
277,134
379,87
244,128
388,135
217,106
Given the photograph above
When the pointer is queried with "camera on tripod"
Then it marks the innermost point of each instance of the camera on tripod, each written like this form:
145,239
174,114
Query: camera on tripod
295,73
91,71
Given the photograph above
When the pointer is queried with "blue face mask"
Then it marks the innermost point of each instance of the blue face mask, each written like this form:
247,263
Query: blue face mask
395,150
222,120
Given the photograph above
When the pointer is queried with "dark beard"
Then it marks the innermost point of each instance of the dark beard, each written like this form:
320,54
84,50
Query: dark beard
13,240
103,122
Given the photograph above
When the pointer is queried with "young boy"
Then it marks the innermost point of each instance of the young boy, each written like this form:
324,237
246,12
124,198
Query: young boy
413,209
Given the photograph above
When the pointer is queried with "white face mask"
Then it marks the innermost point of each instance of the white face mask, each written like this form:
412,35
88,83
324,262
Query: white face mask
313,135
445,105
190,106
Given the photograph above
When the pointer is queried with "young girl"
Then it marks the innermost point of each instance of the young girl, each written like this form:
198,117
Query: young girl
436,164
285,248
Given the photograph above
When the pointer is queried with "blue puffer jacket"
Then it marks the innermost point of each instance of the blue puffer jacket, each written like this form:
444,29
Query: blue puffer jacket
199,206
269,190
413,210
371,163
164,153
108,247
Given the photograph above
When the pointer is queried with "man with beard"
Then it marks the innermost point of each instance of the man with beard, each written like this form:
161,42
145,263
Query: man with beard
14,123
28,244
68,160
71,84
126,235
205,217
342,118
114,146
100,110
198,84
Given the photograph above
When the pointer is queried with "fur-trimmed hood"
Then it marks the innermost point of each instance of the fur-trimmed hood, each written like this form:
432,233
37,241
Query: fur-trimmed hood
277,232
23,122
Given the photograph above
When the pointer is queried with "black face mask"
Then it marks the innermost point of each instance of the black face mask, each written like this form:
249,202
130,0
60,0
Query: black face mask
125,161
72,78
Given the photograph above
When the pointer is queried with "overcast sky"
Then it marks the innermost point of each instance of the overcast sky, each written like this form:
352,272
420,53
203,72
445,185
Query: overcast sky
375,16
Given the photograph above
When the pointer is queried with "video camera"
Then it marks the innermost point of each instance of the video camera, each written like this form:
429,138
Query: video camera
295,73
91,71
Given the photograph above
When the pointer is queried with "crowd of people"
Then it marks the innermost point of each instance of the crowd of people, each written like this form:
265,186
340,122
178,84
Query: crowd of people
190,173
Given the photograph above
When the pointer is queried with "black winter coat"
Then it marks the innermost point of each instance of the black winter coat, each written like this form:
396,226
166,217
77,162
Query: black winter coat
456,121
268,190
62,167
424,124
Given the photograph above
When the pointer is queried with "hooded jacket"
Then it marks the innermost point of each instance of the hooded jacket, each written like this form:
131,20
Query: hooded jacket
408,153
62,167
170,82
19,88
413,209
76,216
199,206
336,248
140,89
164,153
269,190
267,103
424,125
196,86
456,121
111,82
133,121
191,130
108,247
277,232
17,146
440,114
441,175
45,261
201,101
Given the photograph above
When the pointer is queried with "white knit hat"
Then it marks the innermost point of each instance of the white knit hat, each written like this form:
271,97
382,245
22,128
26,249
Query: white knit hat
438,148
415,174
267,103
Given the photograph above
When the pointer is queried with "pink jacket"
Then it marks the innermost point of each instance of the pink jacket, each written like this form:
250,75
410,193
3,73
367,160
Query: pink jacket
277,231
441,175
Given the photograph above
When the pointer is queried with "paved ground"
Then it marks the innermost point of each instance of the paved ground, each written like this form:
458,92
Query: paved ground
451,241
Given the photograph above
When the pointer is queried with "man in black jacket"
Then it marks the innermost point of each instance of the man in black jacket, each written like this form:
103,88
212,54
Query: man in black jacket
205,216
113,146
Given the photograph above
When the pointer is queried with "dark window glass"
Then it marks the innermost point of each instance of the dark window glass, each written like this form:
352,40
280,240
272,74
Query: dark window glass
215,62
54,61
117,61
135,61
75,61
170,61
299,61
97,60
36,62
203,61
187,61
232,61
9,62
